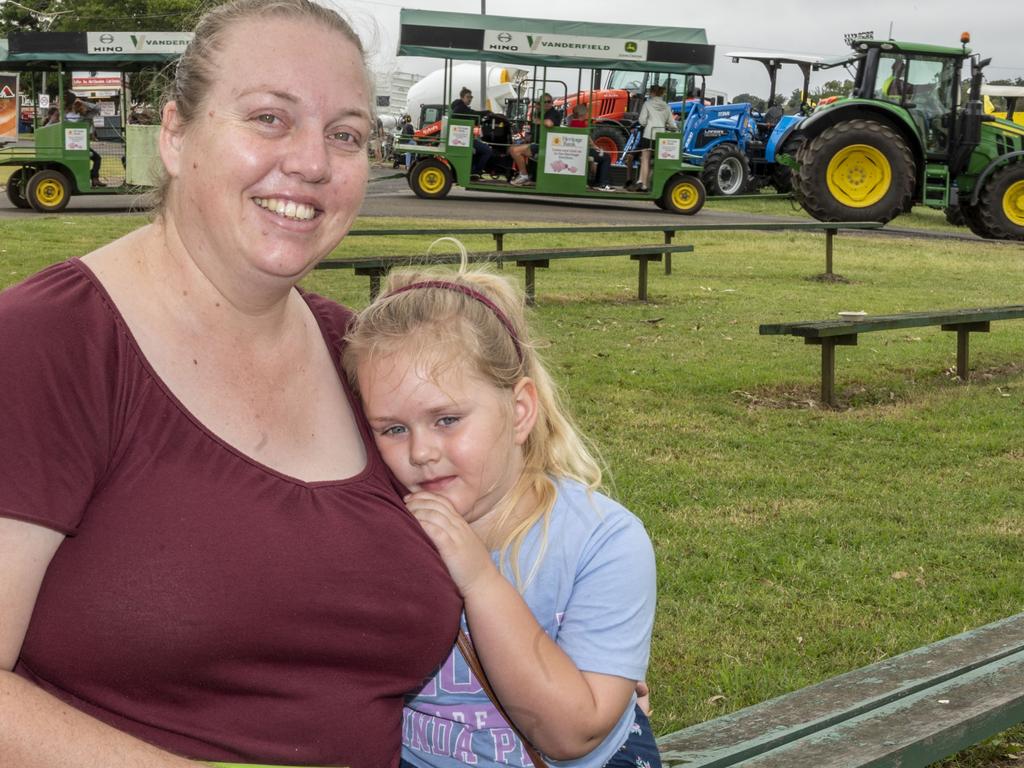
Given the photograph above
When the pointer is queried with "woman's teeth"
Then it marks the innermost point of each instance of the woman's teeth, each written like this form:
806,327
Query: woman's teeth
286,208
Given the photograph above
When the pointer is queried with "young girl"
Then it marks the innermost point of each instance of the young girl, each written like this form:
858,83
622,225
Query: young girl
558,580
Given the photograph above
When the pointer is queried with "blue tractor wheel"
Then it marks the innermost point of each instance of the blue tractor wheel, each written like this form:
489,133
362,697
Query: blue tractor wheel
726,171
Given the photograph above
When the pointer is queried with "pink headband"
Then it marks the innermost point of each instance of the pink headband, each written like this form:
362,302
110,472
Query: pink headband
473,294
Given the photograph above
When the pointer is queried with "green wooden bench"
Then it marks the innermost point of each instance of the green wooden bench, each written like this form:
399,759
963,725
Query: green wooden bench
907,711
829,334
530,260
831,229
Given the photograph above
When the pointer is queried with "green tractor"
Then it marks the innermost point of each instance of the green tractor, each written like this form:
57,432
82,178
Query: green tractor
905,136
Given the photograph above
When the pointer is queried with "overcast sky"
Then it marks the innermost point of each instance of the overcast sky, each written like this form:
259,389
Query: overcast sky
794,26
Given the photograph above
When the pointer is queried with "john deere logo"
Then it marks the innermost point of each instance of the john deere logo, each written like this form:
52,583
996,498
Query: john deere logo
631,47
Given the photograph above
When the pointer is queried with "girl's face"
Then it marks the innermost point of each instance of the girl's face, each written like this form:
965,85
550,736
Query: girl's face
453,434
271,172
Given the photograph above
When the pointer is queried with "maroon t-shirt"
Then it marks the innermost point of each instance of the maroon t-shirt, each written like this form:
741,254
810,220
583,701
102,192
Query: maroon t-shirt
202,601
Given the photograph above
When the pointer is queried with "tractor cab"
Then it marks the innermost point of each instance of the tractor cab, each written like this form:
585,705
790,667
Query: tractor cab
923,80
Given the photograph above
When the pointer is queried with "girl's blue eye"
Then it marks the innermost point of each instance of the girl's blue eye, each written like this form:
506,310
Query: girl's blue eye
447,421
395,430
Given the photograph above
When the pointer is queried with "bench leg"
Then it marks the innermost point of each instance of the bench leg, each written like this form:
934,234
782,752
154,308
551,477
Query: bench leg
531,286
963,369
668,256
829,234
643,258
828,363
828,372
963,337
499,243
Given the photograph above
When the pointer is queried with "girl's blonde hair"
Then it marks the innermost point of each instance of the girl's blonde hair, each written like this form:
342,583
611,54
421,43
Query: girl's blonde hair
443,328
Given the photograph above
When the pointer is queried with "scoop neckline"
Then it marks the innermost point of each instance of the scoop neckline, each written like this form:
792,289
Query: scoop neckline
331,339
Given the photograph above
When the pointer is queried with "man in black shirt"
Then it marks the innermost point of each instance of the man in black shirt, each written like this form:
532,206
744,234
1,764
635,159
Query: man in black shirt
481,150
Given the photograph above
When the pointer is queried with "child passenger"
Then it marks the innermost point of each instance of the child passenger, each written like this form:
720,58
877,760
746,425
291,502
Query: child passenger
558,580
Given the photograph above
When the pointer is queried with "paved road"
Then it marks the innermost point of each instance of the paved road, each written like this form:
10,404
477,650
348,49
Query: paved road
388,194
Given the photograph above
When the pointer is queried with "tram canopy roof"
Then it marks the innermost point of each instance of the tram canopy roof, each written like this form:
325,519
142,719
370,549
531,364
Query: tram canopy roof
548,43
124,51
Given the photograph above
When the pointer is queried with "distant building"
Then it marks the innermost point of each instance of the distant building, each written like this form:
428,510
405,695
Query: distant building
395,86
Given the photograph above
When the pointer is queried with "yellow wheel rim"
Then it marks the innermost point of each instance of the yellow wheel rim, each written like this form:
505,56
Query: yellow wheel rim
858,176
50,193
1013,203
684,196
432,180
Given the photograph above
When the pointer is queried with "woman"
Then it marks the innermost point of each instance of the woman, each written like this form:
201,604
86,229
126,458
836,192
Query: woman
655,117
192,513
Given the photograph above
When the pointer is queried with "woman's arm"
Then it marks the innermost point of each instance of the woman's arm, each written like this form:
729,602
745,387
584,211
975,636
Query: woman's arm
564,712
37,730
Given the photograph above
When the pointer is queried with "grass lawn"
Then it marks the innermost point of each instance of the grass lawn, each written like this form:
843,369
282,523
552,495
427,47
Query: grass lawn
794,543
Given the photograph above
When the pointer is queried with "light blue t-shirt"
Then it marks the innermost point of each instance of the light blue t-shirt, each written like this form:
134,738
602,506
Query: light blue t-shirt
594,594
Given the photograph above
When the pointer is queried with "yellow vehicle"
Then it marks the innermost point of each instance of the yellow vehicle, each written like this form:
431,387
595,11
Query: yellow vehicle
1013,98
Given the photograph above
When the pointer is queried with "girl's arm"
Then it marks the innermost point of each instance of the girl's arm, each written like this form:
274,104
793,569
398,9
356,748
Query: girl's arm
564,712
37,730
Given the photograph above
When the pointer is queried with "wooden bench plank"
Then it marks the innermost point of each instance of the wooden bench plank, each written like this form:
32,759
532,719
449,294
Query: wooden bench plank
829,333
761,728
918,730
824,328
809,226
669,231
377,267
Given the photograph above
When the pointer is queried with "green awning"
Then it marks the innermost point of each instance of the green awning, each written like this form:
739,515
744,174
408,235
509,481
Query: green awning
549,43
121,51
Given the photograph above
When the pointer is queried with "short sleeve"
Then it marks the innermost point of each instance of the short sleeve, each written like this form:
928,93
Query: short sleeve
608,620
55,413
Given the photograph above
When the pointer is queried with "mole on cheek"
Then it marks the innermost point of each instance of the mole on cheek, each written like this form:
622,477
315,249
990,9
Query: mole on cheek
195,165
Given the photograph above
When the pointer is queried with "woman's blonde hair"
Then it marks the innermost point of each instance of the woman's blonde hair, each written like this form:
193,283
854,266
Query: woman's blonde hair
443,328
190,79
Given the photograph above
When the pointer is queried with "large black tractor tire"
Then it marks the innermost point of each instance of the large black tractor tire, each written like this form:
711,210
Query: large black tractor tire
48,191
972,219
955,215
14,193
609,138
726,171
431,179
1001,203
683,194
860,170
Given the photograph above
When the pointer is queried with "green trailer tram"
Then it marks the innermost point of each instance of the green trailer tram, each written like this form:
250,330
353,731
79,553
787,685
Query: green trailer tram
56,164
562,164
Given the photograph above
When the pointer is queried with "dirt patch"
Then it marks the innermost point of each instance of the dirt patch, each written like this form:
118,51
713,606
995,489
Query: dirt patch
856,395
826,277
781,397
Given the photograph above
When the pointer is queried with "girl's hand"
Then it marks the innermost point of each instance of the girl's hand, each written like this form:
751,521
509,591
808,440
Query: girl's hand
465,556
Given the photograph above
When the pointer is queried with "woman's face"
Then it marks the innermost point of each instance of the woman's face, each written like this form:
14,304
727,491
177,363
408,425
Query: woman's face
271,172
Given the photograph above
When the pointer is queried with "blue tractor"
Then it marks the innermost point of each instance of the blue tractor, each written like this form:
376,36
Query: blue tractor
719,138
736,144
